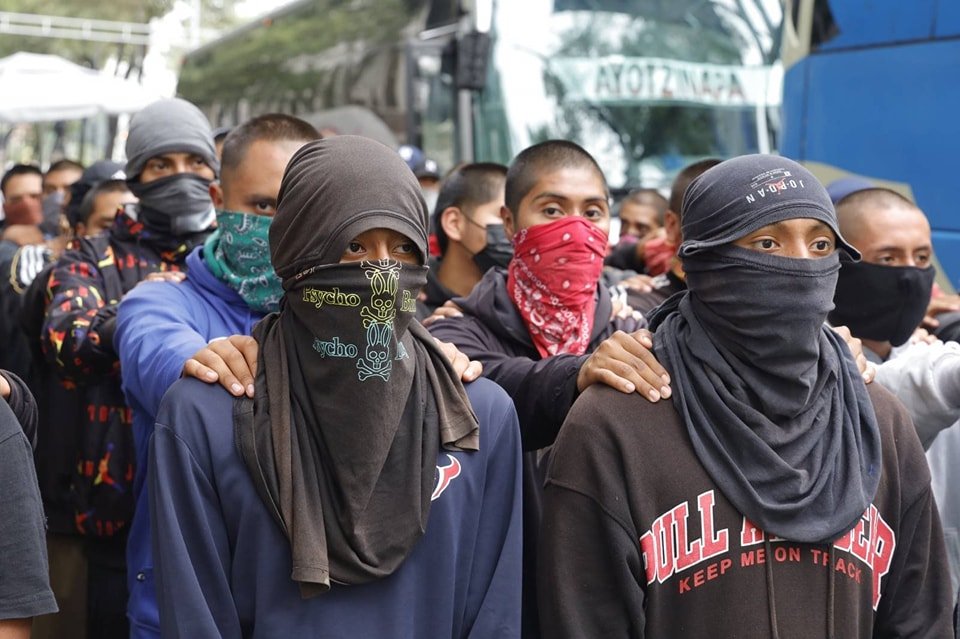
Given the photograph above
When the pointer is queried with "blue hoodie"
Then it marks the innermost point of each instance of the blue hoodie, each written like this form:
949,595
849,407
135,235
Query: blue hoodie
224,565
160,325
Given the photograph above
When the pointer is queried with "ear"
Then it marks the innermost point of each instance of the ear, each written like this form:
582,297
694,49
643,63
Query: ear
80,230
508,223
671,224
216,194
451,221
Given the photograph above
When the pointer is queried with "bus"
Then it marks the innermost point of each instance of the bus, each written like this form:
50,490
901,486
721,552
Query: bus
647,86
871,89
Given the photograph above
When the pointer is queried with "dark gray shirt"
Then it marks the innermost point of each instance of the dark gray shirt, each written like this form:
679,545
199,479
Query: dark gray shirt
24,582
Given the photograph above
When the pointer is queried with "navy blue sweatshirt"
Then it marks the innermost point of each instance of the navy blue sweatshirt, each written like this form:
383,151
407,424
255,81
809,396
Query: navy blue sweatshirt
223,564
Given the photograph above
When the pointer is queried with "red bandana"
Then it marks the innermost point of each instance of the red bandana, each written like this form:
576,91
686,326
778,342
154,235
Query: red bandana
552,281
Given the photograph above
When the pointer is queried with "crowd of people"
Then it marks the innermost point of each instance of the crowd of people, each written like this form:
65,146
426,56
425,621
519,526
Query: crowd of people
265,383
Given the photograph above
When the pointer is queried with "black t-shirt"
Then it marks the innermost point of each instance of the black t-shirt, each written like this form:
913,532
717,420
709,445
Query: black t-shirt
24,583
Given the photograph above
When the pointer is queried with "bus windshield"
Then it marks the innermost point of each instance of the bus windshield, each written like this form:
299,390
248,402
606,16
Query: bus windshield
647,86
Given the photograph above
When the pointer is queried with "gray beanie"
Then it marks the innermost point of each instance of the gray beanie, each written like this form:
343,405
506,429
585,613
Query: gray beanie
169,126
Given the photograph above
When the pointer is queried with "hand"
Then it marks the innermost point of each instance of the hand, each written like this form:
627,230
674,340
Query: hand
620,307
465,368
626,362
230,360
867,369
639,283
449,309
923,336
938,305
166,276
4,387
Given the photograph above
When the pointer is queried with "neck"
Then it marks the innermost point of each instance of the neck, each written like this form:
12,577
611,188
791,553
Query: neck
458,272
677,269
882,349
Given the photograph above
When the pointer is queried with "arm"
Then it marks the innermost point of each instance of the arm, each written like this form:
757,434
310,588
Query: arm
25,587
917,600
926,378
190,545
544,390
78,327
493,598
15,628
23,405
590,570
156,334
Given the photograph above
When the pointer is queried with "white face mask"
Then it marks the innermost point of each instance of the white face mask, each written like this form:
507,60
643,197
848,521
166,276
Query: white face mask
430,196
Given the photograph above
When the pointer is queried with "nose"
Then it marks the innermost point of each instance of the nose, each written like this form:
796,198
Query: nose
797,249
379,251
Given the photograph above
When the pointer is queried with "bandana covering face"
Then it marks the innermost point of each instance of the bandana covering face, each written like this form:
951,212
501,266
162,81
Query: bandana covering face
175,205
354,399
552,281
658,255
238,254
774,405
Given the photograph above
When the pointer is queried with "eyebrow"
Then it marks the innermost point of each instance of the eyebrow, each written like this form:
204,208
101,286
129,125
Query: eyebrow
900,249
560,196
256,197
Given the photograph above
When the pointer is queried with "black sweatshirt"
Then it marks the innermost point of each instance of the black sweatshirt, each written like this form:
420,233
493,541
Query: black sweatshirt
638,541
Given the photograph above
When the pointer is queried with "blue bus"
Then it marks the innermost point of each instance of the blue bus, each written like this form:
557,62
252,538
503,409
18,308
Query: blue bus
872,88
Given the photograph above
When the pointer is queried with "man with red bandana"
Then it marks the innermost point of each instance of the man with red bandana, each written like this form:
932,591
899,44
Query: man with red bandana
545,328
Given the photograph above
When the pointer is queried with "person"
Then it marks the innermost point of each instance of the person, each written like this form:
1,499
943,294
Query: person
219,137
56,192
171,163
883,300
22,189
231,286
777,495
641,216
544,329
469,233
670,280
414,525
98,209
24,587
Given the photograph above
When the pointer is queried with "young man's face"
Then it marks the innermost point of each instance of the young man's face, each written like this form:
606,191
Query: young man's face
22,197
60,181
253,186
558,194
637,220
800,238
381,244
893,236
168,164
468,225
105,207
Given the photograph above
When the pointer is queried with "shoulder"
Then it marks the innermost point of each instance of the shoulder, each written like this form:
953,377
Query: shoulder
904,463
493,407
156,294
200,414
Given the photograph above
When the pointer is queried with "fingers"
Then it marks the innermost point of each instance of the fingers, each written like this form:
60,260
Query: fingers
625,363
442,312
463,367
4,387
230,361
166,276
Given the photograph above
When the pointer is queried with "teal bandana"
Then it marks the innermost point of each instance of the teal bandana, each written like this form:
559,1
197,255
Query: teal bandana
238,254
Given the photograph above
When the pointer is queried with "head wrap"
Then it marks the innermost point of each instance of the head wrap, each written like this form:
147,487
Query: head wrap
354,399
772,399
169,126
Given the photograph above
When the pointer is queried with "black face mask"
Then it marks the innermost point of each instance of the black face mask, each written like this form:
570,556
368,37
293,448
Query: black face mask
175,205
497,252
882,303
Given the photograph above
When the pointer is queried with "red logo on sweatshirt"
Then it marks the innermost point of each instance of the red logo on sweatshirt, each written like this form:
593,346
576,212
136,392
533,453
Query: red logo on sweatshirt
445,475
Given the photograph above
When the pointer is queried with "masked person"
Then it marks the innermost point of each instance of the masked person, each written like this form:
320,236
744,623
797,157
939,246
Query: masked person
641,227
411,498
776,496
469,233
544,328
171,162
232,285
883,300
57,182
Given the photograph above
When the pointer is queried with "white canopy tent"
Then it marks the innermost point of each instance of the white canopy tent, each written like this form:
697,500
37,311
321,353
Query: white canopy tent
46,88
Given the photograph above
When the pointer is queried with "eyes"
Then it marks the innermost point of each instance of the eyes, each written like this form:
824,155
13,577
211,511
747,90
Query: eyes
358,249
920,259
592,212
820,246
162,164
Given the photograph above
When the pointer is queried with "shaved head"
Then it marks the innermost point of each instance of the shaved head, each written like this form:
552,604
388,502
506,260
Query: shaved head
886,227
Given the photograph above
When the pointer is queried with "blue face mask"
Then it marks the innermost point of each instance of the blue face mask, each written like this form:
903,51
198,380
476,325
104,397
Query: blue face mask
238,254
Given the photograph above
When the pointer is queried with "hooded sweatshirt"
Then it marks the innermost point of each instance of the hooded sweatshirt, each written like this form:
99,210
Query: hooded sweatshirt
159,326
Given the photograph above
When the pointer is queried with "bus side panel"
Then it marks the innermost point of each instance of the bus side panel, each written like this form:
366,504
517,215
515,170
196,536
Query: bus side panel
890,113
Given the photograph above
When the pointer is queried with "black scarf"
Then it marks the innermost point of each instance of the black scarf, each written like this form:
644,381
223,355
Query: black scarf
353,397
773,402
